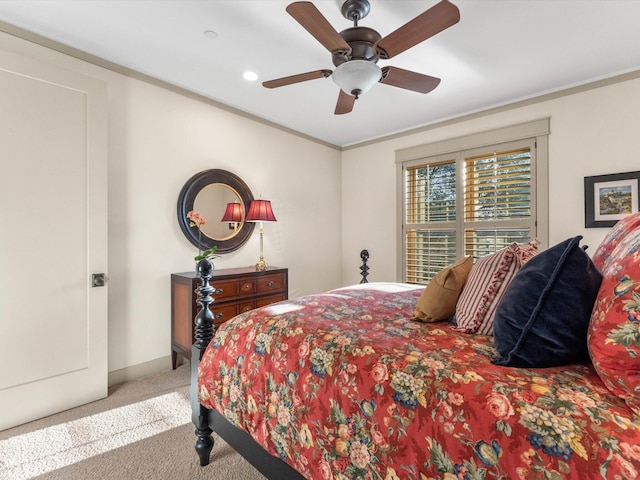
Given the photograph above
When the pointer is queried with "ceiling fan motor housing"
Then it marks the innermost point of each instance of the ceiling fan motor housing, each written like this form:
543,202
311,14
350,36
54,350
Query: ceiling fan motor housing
361,40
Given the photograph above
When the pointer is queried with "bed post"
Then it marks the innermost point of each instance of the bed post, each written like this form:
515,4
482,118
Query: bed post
364,269
203,334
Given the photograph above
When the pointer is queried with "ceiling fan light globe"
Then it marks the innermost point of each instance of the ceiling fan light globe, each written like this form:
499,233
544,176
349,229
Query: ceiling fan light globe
356,76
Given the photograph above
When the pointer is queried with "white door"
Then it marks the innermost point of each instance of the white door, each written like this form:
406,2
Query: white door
53,237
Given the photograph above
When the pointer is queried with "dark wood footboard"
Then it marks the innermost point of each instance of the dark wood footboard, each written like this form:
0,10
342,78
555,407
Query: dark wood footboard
208,421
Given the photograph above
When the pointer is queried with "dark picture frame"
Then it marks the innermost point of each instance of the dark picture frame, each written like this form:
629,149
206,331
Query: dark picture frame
608,198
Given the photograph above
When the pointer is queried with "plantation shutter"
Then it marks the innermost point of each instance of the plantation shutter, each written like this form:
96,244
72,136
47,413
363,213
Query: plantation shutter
430,235
497,205
466,203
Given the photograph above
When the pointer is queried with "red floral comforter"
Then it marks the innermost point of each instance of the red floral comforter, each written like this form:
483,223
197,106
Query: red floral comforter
342,385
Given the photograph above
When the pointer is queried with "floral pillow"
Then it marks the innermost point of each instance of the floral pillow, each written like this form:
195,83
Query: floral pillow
614,331
624,226
486,284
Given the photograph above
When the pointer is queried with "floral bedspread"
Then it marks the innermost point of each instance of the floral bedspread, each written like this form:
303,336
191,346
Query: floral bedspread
343,385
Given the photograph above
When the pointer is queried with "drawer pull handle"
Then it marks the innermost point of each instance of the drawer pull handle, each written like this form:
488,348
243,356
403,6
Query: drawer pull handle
270,284
219,315
218,291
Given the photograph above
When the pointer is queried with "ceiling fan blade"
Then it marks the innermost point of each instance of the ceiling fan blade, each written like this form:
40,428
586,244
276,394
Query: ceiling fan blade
438,18
301,77
307,15
417,82
345,103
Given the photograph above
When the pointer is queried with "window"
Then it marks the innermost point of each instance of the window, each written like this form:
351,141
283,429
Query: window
469,202
430,219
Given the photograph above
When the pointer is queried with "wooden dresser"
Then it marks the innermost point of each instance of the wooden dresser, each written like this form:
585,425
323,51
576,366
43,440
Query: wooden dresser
236,290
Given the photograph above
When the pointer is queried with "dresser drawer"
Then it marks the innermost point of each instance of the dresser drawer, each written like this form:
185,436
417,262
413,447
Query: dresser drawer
246,305
224,312
229,289
246,288
271,283
223,290
262,301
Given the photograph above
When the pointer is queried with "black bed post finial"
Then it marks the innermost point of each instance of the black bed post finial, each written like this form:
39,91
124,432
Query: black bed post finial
364,269
204,319
203,334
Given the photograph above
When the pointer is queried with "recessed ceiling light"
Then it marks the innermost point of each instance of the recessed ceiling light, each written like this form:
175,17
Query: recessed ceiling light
250,76
210,34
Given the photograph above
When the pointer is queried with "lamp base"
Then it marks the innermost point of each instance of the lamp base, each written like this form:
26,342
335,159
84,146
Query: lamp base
261,266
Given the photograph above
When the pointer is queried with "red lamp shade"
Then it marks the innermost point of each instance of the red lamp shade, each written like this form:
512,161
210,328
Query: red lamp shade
260,211
233,213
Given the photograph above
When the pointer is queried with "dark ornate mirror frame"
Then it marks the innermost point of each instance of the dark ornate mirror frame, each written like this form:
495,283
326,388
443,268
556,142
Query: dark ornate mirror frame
188,196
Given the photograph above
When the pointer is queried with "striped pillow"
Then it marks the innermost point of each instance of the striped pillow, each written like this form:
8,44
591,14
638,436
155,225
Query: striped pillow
487,281
525,252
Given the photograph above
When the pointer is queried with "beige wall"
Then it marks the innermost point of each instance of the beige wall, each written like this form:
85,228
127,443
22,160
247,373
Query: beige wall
592,133
329,205
157,140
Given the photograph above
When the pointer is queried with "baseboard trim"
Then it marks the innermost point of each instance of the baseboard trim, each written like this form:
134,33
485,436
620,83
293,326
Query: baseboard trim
140,370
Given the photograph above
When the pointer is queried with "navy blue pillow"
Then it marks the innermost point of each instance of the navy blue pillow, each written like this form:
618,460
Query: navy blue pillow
543,317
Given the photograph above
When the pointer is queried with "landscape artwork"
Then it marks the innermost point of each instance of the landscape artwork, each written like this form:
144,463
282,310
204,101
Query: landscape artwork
608,198
615,200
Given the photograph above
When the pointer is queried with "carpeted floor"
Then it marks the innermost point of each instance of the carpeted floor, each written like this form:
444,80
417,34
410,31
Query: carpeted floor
142,430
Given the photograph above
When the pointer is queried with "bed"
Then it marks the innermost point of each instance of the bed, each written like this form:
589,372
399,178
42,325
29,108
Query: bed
347,385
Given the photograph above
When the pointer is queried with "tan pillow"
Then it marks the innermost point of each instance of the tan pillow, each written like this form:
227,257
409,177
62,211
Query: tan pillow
439,298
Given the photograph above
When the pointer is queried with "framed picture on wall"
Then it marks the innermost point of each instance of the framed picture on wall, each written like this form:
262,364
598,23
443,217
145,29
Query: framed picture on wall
608,198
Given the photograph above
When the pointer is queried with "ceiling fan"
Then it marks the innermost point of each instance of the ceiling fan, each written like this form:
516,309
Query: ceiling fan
356,50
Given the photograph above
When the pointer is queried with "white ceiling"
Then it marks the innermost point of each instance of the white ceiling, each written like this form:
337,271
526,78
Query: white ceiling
501,51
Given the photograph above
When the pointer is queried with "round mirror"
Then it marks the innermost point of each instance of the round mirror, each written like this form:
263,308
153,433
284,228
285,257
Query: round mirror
211,203
213,194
